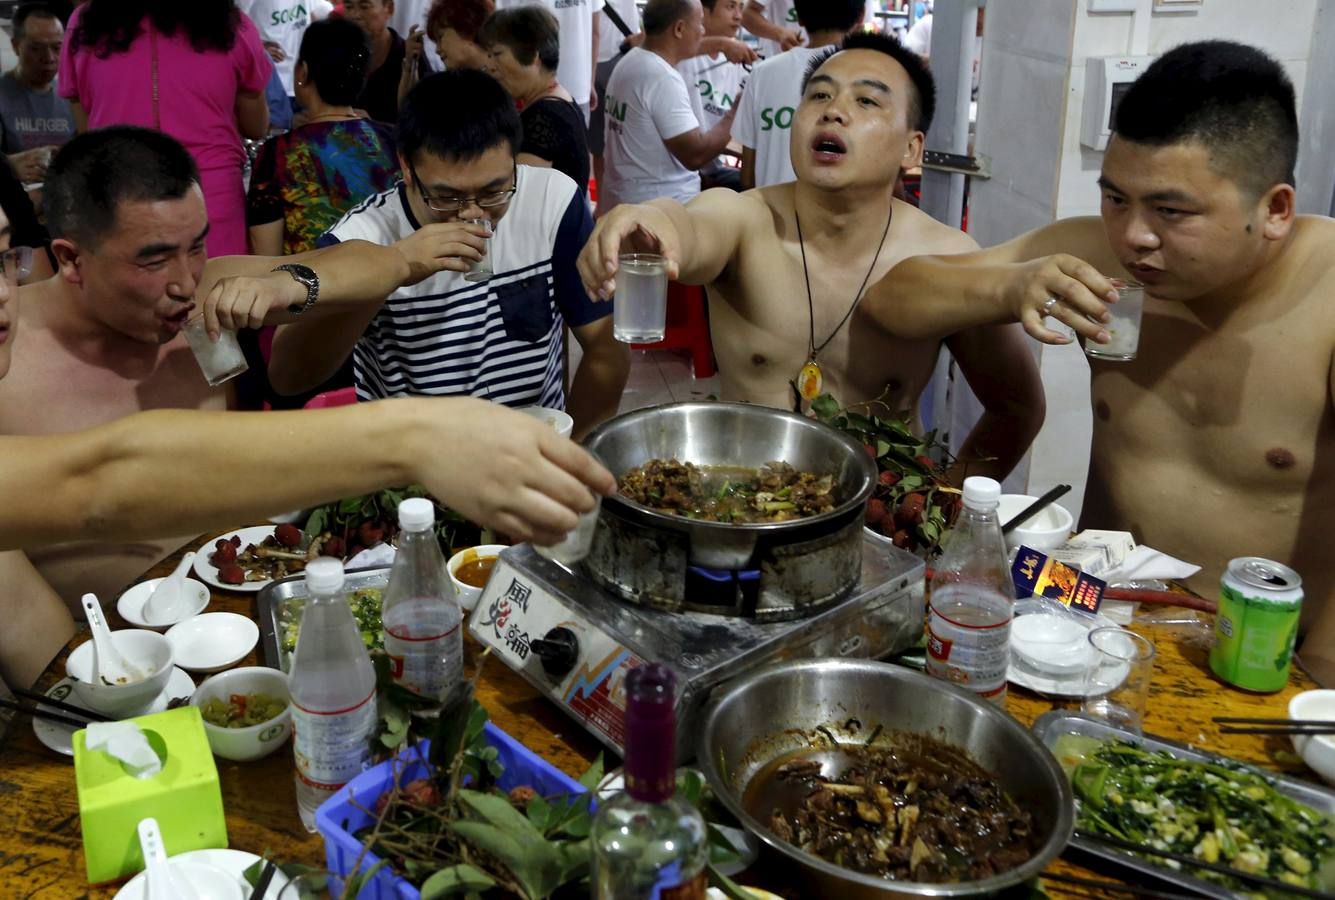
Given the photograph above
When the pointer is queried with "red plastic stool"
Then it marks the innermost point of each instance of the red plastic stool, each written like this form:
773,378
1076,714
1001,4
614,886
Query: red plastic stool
687,327
341,397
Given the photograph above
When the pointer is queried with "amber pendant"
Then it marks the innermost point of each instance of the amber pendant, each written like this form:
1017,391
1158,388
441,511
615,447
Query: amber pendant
810,381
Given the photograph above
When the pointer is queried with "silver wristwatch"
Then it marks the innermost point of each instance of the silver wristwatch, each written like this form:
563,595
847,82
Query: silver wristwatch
303,275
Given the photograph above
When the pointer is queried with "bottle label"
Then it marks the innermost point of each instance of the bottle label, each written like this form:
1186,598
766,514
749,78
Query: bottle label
332,748
428,666
968,646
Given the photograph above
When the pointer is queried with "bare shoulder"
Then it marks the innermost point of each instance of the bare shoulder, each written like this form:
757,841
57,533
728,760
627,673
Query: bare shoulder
916,233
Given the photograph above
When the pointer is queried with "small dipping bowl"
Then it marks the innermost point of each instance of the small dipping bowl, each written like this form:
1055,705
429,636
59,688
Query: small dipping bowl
212,642
559,420
1046,529
254,741
131,603
1051,643
209,882
148,650
1317,750
468,594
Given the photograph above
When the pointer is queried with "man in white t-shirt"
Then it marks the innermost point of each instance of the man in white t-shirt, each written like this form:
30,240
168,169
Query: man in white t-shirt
654,144
775,23
765,115
281,24
715,84
610,39
581,38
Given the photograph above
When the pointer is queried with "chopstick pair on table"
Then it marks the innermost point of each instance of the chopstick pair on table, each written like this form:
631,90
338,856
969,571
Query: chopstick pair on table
85,715
1237,725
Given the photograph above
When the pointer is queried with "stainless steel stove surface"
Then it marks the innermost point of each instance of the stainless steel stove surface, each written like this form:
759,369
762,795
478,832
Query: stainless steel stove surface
575,641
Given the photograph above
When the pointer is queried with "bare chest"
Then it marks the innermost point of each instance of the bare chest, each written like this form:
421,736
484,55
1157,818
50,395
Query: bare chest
51,388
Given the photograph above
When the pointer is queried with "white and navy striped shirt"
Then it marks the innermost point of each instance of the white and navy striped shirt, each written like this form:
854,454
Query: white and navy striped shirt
500,339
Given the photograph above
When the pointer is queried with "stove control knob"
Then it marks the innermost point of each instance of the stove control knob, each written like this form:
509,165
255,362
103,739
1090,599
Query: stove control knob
558,650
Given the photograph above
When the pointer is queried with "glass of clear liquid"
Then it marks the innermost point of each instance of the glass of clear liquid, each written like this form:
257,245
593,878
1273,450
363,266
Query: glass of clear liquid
1117,683
1124,325
219,361
482,269
576,544
639,310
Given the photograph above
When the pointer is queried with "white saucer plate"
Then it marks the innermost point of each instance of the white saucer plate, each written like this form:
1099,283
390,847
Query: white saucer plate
212,642
208,572
233,862
60,738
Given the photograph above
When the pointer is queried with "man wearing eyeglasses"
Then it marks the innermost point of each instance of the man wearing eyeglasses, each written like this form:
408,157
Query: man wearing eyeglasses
500,335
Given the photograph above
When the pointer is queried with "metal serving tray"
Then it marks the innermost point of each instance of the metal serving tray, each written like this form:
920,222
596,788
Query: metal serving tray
1053,725
275,596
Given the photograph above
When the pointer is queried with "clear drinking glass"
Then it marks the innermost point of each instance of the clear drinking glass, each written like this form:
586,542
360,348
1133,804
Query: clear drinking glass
1117,684
482,269
314,885
218,361
576,544
1124,325
639,311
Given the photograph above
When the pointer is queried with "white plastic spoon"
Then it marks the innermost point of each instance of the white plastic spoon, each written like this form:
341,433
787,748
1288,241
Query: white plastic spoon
169,602
109,666
162,881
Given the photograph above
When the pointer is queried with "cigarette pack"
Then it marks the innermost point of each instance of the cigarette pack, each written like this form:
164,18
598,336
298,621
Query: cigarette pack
1037,575
1095,552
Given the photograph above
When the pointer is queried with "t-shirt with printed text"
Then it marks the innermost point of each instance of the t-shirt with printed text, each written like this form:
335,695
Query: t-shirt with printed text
647,104
765,117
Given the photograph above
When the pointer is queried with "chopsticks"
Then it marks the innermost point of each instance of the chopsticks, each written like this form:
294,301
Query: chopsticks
1273,726
1034,508
43,699
43,714
1188,860
262,885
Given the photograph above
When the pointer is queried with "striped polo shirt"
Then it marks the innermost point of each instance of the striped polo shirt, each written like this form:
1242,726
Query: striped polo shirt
500,339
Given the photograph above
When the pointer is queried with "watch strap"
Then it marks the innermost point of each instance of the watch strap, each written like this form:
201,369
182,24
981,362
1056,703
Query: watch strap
305,276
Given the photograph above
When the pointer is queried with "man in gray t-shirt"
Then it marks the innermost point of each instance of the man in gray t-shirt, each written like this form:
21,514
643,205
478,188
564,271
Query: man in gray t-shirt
34,118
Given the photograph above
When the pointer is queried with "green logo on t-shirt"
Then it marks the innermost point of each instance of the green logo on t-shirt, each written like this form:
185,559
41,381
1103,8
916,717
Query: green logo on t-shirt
616,109
771,118
295,13
792,15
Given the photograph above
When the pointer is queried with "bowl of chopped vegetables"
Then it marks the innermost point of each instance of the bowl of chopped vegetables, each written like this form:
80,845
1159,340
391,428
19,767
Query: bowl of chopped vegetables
247,712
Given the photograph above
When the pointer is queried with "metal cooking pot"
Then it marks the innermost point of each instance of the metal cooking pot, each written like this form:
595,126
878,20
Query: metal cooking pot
734,434
773,711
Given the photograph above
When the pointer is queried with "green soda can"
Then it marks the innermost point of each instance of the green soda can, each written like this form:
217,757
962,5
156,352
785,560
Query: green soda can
1257,624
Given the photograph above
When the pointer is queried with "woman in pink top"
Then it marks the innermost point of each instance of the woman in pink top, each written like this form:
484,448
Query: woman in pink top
195,69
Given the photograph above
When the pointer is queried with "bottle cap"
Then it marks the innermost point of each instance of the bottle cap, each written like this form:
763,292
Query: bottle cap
651,733
981,493
417,514
324,576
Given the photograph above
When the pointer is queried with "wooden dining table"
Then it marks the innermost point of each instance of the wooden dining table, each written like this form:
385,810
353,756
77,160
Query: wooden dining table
41,855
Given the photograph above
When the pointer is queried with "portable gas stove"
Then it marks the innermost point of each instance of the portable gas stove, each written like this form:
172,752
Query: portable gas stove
575,640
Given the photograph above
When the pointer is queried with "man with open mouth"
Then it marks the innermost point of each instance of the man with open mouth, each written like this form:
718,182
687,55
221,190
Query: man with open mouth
787,265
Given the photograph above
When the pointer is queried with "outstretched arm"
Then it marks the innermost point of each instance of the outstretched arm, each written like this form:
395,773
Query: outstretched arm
927,297
999,366
173,471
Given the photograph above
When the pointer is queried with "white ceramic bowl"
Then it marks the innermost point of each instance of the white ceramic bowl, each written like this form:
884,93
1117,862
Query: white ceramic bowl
466,594
253,741
212,642
559,420
1052,643
1318,751
208,882
131,603
1045,530
148,650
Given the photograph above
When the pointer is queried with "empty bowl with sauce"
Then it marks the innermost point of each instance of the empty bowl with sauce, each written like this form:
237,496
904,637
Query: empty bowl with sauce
469,571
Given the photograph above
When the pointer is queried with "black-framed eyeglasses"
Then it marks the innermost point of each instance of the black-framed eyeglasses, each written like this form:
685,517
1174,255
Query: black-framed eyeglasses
455,204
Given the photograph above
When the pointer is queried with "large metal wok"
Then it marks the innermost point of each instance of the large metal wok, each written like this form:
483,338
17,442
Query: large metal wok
735,434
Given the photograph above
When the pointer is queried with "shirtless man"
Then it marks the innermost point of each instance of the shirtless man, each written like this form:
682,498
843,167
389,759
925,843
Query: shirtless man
102,337
861,117
1218,441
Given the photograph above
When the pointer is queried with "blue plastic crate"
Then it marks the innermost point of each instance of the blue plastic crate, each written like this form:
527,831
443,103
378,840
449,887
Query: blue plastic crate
337,819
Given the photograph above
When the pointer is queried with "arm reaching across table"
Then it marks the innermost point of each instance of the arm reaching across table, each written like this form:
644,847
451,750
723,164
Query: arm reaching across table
928,297
168,471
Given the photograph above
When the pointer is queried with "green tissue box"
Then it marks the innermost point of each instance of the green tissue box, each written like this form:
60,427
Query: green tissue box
184,797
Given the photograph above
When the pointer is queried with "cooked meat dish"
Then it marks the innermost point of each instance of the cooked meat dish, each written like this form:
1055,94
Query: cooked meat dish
928,814
776,492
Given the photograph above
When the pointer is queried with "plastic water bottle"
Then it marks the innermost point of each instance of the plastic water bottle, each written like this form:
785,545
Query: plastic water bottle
333,692
973,599
423,635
